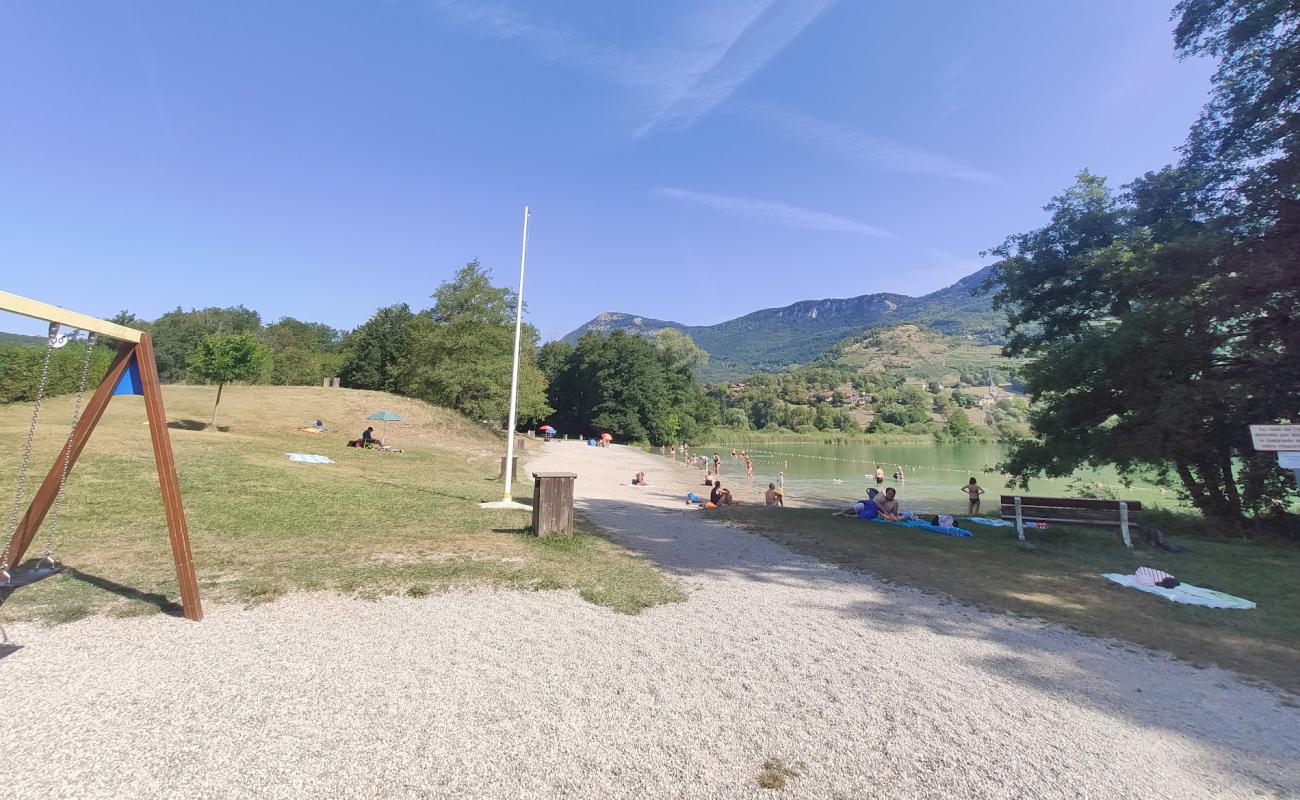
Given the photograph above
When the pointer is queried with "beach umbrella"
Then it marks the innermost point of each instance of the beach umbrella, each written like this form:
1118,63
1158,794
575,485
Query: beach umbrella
546,428
385,417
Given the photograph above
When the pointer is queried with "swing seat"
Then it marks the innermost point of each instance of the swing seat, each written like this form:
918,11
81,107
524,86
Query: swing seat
30,573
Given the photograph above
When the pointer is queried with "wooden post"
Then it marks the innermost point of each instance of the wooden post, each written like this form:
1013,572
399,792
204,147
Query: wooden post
325,383
49,489
1123,524
553,502
514,467
168,482
1020,521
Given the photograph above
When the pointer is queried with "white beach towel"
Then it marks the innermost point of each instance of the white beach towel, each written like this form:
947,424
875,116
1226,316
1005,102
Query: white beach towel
1183,593
309,458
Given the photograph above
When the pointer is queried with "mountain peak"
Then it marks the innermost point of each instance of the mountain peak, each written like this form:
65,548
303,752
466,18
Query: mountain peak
777,338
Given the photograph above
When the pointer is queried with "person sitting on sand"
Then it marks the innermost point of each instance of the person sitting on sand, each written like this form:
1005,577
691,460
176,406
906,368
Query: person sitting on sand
639,480
368,438
720,496
973,492
773,497
888,505
708,479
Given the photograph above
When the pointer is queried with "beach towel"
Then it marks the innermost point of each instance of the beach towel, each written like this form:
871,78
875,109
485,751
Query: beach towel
995,523
925,526
1183,593
308,458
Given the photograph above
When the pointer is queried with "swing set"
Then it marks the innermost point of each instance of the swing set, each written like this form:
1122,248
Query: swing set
133,372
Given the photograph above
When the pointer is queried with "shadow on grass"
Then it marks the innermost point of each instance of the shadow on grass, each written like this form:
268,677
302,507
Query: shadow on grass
160,601
194,425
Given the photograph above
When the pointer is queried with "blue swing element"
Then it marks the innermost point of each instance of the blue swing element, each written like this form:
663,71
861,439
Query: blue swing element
130,381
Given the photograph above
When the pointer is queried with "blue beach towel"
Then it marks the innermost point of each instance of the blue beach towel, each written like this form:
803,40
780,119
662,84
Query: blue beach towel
925,526
996,523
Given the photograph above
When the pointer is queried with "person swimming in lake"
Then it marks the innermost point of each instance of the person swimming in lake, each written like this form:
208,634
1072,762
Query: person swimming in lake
880,475
973,492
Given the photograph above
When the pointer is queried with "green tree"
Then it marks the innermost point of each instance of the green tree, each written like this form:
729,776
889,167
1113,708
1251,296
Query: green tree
461,351
177,333
376,353
1140,360
222,358
959,427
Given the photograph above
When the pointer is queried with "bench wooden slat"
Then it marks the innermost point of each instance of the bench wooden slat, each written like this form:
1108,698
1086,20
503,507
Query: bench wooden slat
1063,520
1069,502
1043,512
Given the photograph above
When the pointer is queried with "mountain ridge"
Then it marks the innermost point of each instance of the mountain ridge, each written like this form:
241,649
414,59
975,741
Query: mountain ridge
780,337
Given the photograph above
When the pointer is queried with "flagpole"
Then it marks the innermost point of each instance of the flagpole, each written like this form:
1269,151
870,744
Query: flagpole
514,369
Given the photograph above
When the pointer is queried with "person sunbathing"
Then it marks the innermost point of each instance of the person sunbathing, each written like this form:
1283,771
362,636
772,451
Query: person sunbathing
639,480
888,506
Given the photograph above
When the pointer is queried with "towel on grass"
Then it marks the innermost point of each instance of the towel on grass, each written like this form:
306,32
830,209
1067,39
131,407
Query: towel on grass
1183,593
996,523
925,526
309,458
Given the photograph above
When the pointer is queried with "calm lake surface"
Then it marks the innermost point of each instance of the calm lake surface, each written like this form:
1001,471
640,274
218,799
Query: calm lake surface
932,474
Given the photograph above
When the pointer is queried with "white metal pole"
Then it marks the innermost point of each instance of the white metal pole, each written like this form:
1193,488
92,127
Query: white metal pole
514,370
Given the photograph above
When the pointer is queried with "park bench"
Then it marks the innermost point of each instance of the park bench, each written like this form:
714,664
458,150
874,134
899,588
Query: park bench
1072,510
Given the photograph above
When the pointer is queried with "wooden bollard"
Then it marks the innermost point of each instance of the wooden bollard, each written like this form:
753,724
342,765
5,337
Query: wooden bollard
514,468
553,502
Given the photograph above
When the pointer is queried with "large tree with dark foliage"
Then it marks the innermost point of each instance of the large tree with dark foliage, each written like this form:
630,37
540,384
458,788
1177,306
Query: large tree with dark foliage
1163,321
629,386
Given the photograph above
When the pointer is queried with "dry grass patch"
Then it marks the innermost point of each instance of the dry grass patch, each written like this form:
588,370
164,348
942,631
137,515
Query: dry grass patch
372,523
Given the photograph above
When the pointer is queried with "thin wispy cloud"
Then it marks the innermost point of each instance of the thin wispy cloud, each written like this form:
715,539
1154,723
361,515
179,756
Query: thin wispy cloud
759,33
860,148
710,54
774,212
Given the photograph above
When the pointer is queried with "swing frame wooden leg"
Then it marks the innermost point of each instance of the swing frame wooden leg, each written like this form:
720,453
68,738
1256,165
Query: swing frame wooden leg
169,483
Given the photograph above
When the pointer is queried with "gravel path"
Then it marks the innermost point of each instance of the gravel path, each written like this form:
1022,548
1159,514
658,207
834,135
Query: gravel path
866,690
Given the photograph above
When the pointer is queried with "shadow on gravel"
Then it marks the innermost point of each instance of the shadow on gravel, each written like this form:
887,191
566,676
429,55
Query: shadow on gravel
1085,671
1091,673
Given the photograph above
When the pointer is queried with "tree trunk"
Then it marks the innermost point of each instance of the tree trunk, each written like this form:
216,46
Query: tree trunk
220,386
1193,488
1230,483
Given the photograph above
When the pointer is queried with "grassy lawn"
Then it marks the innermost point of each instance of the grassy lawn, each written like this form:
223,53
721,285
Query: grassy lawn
1058,578
373,523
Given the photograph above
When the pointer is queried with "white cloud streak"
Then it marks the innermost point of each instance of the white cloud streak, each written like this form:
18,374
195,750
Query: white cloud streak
774,212
860,148
711,55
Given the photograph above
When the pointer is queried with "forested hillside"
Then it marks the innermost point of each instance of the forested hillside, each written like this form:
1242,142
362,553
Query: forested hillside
774,339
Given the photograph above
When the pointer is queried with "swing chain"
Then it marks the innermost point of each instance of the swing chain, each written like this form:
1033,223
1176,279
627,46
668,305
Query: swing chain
27,452
52,527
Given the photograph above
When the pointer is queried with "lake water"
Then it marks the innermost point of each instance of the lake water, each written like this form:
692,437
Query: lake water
932,474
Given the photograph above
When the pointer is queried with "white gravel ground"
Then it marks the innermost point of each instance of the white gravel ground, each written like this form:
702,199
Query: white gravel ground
867,690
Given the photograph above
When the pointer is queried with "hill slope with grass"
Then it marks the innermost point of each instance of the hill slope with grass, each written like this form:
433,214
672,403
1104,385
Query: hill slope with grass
777,338
913,351
371,523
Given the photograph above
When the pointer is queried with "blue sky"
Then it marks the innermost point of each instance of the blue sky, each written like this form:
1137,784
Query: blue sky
683,160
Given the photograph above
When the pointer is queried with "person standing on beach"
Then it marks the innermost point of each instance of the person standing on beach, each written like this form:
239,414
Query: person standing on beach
717,464
973,492
749,469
